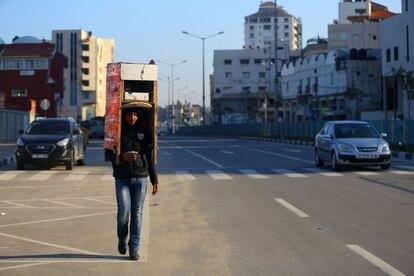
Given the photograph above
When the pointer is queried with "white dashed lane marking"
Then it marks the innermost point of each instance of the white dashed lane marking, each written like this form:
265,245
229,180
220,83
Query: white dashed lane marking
40,176
219,175
366,173
289,173
9,175
322,172
253,174
292,208
185,175
74,176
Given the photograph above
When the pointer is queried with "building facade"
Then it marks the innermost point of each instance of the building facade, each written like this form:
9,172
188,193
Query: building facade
358,25
244,87
85,77
341,85
259,28
31,71
397,44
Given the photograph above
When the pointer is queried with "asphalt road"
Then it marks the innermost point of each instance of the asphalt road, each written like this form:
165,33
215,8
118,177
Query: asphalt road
226,207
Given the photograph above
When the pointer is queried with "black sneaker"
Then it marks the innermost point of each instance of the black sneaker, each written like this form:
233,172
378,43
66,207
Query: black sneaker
122,246
134,257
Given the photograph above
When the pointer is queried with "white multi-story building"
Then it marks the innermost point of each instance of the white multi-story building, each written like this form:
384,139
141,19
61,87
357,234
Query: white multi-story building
342,84
85,75
243,85
259,28
358,25
397,44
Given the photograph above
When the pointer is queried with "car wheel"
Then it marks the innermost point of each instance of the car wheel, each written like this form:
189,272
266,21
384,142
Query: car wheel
318,161
334,162
69,164
19,165
385,167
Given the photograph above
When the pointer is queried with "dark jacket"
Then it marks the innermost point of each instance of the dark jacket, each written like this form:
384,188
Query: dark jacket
134,138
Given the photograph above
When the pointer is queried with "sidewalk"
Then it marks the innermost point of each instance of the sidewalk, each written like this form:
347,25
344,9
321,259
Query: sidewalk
7,153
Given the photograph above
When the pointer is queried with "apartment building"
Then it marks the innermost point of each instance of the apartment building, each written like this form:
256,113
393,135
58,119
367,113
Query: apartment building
85,77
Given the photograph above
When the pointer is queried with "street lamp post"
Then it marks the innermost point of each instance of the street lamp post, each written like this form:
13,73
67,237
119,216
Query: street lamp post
172,65
203,39
276,63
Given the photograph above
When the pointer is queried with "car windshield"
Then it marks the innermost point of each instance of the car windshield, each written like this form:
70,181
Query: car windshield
355,131
49,128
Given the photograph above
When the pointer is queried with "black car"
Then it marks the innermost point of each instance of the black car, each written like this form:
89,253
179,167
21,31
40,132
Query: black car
51,141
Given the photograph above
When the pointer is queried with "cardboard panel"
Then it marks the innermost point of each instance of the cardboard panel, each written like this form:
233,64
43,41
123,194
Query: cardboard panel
148,72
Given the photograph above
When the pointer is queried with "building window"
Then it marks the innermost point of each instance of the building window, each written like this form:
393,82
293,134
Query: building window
85,83
396,54
246,89
286,19
246,75
85,95
251,28
388,55
85,59
286,27
267,27
262,75
244,61
227,89
252,35
286,34
19,93
85,71
85,47
406,5
258,61
374,37
227,61
228,75
218,90
253,20
261,88
265,20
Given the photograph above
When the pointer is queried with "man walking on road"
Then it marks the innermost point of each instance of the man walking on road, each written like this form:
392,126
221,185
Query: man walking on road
131,180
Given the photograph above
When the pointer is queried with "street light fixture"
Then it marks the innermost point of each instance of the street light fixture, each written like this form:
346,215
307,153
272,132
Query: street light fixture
172,65
203,39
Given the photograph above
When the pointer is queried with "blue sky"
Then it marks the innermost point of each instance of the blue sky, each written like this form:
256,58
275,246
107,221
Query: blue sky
145,30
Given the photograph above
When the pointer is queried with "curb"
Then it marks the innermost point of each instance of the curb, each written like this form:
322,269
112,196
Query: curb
8,160
396,154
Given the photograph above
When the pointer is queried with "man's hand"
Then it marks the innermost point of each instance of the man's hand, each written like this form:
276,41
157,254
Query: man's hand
129,156
155,188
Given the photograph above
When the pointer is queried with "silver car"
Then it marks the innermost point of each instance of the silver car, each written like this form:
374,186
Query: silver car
351,143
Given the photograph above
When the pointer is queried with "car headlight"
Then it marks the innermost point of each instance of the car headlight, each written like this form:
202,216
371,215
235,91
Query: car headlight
63,142
20,142
385,148
344,148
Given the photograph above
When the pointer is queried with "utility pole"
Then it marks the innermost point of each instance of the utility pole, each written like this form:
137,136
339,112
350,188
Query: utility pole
276,64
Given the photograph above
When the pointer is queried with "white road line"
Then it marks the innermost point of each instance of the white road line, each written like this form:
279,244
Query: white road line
401,172
185,175
107,177
289,173
63,203
281,155
18,204
49,244
205,158
97,200
74,176
322,172
292,150
9,175
366,173
218,175
56,219
253,174
40,176
405,167
21,266
375,260
292,208
166,153
227,152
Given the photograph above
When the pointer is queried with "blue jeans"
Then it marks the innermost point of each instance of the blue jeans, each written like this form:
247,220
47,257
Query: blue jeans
130,196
